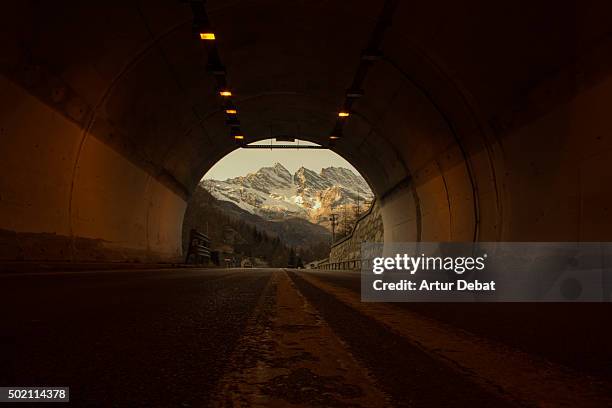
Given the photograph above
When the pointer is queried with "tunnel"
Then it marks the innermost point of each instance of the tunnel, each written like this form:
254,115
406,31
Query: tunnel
472,122
478,122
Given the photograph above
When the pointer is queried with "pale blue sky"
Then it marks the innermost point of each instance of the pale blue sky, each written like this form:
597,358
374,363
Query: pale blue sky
243,161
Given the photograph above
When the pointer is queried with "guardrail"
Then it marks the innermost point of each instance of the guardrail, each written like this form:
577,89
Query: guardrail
352,264
199,248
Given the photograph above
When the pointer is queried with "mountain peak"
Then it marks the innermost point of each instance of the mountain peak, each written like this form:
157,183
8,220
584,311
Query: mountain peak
277,169
341,176
277,166
306,178
274,193
304,170
337,169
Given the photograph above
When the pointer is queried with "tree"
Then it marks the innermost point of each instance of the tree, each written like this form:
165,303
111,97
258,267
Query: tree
292,260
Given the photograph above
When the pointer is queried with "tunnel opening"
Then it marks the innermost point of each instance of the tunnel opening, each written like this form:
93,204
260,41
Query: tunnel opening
282,202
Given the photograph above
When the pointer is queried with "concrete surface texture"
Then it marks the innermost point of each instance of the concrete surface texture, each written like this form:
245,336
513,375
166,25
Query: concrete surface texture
482,121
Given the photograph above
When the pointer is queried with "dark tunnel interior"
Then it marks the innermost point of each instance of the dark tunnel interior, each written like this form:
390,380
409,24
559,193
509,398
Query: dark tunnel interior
473,122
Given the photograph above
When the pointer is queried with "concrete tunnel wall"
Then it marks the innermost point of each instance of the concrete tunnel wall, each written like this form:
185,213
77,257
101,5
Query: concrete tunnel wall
481,132
66,195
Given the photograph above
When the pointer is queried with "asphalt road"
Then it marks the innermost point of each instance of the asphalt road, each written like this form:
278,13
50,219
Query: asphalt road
263,337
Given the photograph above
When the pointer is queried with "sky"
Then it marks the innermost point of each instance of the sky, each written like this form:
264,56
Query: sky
243,161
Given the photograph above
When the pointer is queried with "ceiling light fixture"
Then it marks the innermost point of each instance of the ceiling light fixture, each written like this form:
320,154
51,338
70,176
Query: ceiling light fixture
354,93
216,69
207,36
236,133
371,55
225,92
343,114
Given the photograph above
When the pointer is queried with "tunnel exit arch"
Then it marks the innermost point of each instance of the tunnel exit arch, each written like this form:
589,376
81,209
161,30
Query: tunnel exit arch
480,132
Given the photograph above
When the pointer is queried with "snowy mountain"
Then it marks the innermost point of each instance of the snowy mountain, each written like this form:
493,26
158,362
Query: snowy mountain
275,194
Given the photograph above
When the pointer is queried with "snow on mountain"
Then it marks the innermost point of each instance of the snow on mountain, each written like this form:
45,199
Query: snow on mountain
275,194
340,176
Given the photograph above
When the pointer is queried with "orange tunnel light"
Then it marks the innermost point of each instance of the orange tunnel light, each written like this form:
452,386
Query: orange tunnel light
207,36
225,93
343,114
231,111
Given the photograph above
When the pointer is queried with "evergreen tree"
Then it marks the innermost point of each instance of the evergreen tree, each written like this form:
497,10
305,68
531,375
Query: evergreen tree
292,260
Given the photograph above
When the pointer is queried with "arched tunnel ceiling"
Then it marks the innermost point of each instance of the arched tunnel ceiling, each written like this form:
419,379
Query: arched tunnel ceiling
137,63
137,66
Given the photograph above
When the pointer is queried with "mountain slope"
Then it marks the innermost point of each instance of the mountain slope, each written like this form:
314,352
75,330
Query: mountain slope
295,232
275,194
235,230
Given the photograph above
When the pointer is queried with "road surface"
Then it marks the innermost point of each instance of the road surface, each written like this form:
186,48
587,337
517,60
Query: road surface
276,337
